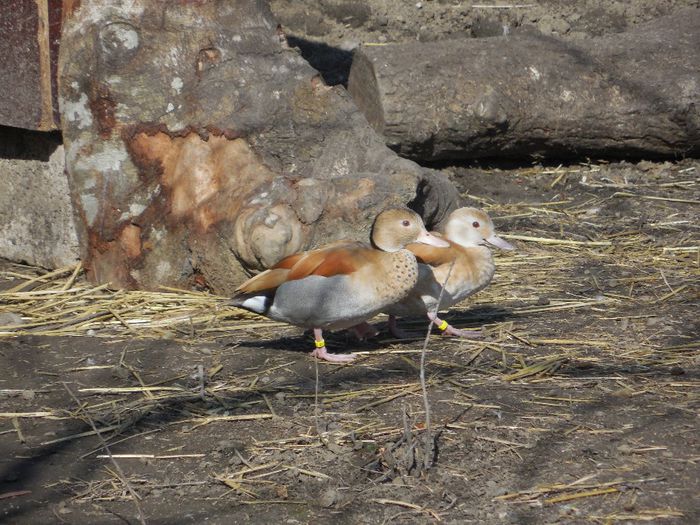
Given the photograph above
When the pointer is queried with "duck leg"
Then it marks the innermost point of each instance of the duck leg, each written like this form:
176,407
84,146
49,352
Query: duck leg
364,331
398,332
447,329
322,353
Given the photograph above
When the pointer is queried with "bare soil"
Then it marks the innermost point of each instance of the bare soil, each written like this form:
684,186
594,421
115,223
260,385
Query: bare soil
579,405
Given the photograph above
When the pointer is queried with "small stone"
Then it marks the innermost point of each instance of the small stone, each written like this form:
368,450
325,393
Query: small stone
624,449
282,492
120,372
229,446
542,301
10,319
328,498
334,447
28,395
348,45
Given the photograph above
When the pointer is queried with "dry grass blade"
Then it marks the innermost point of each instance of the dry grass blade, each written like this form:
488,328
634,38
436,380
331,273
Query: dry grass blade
12,415
543,367
579,495
61,303
407,505
640,516
570,491
562,242
654,198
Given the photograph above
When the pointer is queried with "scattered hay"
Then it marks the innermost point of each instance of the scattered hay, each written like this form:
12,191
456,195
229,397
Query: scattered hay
587,308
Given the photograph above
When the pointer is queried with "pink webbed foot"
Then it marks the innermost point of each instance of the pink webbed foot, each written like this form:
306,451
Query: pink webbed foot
447,329
325,355
397,332
322,353
364,331
468,334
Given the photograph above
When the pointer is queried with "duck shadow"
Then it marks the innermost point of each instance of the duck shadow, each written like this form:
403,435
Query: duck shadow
342,340
479,315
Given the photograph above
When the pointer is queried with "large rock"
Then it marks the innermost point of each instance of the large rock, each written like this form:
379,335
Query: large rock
36,215
629,94
199,147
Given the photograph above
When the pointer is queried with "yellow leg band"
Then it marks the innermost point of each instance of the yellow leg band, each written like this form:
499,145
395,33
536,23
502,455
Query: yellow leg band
443,326
320,344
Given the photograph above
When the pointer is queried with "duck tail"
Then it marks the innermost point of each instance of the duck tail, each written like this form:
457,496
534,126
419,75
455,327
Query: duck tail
253,302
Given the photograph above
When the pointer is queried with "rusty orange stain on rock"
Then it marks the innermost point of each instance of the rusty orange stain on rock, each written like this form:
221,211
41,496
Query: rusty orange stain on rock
130,240
102,106
204,180
104,262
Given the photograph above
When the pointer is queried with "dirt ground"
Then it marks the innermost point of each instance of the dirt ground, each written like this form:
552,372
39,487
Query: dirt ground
579,405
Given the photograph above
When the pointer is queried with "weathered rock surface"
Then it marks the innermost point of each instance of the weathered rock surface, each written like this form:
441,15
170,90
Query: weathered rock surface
200,147
634,93
36,215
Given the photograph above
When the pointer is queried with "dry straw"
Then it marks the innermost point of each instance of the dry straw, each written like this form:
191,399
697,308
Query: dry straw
618,290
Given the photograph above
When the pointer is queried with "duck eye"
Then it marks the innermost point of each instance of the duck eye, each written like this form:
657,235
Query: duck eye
475,224
406,223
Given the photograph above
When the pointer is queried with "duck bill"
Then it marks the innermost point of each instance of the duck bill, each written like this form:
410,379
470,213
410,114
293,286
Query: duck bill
496,241
432,240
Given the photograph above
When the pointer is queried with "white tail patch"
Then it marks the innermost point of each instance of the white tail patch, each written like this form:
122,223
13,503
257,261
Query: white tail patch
258,304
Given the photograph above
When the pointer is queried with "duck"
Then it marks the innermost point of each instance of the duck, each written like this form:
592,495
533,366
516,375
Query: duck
342,284
471,235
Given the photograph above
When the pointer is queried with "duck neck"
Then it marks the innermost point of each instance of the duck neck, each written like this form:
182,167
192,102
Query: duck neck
483,264
384,243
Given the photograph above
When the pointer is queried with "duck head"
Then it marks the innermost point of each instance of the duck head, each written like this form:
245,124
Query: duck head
470,227
394,228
